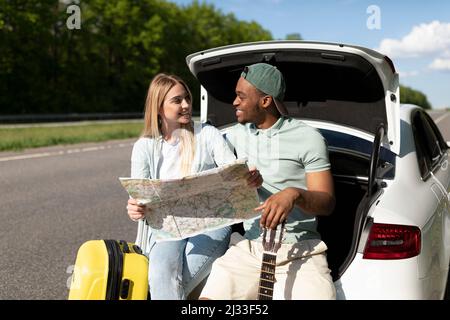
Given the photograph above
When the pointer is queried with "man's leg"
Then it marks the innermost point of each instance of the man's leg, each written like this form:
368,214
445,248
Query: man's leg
305,278
235,275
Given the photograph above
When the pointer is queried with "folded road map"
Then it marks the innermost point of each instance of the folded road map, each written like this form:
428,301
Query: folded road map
180,208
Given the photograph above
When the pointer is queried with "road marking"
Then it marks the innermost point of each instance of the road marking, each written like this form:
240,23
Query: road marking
62,152
445,115
29,156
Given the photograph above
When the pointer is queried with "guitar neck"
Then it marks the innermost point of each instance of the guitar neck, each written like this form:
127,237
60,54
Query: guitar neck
267,276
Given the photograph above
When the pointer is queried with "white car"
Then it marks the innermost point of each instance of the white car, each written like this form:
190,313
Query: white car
389,235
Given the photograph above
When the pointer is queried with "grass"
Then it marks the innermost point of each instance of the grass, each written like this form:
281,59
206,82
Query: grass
19,138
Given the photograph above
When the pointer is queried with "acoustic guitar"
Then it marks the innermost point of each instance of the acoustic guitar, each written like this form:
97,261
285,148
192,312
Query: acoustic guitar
269,259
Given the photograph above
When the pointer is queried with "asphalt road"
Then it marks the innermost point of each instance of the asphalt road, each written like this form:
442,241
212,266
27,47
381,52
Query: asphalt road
53,199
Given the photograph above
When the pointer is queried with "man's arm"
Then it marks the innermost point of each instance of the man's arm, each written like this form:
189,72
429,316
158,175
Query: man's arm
317,200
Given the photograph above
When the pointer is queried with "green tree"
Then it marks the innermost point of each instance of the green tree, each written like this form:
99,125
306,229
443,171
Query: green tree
29,48
107,65
117,51
409,95
206,27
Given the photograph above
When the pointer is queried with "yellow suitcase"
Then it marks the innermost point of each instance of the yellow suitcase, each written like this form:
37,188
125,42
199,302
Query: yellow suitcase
109,270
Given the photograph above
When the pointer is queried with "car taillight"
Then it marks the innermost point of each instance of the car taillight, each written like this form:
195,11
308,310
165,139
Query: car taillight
392,241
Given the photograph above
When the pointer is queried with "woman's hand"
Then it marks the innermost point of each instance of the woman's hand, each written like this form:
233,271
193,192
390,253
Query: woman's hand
135,211
254,178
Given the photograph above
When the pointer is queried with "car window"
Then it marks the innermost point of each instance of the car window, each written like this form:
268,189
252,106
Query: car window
432,143
442,144
428,146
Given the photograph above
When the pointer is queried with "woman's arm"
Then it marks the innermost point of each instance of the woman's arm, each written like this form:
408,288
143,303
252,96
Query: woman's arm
140,169
140,166
221,151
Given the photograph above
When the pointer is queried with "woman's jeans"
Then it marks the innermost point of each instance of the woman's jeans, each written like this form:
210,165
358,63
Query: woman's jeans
177,267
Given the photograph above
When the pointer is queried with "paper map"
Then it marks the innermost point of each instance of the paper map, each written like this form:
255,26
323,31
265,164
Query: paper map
180,208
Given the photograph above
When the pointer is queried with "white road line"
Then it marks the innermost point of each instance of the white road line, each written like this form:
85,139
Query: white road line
29,156
92,149
62,152
445,115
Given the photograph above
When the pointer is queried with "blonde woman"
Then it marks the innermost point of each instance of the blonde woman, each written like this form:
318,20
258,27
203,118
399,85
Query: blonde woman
172,146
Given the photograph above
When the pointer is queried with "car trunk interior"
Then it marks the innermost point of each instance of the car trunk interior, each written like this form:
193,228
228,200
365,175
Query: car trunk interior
350,161
337,229
336,87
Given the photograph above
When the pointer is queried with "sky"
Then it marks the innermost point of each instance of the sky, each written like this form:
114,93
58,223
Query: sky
415,34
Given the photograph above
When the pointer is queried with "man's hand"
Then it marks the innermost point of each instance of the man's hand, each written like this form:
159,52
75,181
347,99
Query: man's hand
135,211
277,207
254,178
317,199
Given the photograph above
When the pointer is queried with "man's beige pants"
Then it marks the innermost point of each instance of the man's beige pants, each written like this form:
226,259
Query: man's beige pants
301,272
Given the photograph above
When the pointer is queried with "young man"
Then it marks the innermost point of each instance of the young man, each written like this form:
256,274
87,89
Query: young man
293,160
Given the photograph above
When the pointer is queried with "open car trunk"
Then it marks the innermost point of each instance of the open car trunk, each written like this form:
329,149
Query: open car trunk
340,84
344,87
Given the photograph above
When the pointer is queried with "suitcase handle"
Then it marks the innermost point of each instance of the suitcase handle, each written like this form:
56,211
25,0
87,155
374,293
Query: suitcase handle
124,246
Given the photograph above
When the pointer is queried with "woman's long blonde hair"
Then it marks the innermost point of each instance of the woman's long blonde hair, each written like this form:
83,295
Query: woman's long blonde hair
157,91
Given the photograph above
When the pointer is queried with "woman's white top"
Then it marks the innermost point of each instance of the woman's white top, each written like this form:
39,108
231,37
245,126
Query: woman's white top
211,150
153,158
